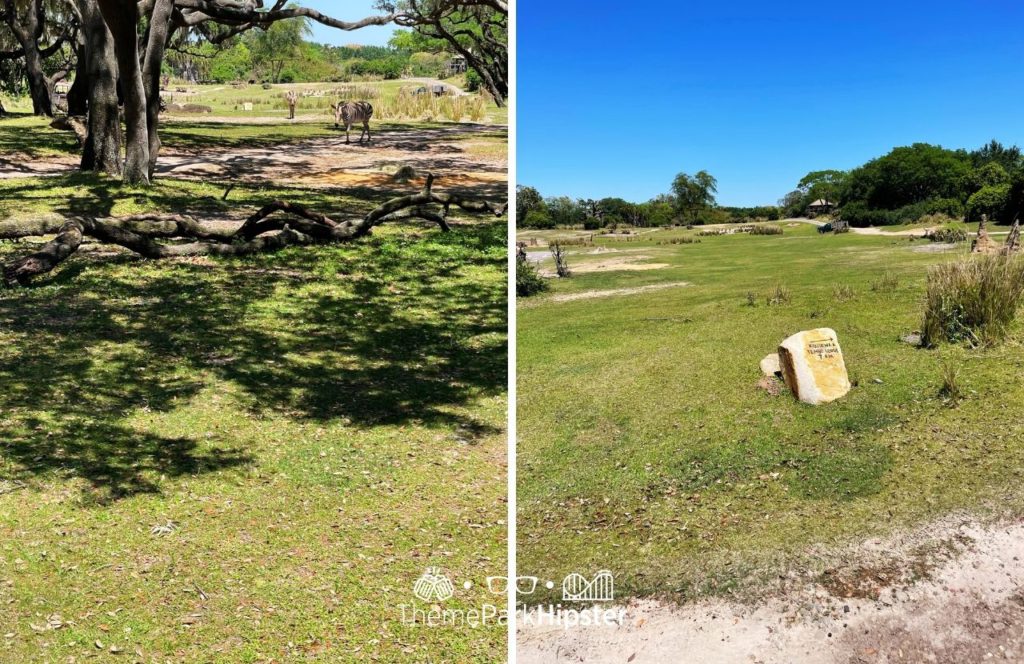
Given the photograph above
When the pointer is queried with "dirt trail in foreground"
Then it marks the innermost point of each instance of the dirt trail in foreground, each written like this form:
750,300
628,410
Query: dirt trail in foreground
966,605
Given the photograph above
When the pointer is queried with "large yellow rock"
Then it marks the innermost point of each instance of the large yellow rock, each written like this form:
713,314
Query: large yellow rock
813,366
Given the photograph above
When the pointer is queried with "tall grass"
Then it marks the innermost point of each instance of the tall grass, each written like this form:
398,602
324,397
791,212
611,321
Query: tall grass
972,300
766,229
409,106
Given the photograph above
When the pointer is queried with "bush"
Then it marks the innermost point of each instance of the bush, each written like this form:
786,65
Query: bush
473,80
948,233
538,218
528,279
973,300
992,200
766,229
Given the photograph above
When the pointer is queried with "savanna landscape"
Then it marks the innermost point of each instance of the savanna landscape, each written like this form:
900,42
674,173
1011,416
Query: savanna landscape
251,392
740,523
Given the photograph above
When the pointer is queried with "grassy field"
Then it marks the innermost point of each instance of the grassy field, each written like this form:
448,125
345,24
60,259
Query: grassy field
229,101
646,448
306,432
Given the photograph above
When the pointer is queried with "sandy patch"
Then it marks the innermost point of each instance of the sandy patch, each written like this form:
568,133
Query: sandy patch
935,247
950,592
610,265
612,292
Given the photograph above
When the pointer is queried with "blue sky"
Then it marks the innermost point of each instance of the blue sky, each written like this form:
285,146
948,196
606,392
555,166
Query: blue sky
614,99
348,10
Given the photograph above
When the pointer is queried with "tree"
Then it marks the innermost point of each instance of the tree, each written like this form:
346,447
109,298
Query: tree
40,29
694,193
527,199
273,46
475,29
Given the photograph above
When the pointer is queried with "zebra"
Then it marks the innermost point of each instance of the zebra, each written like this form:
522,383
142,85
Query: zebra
352,112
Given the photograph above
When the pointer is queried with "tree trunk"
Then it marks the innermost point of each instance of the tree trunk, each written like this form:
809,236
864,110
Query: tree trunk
26,32
102,150
78,95
122,17
159,29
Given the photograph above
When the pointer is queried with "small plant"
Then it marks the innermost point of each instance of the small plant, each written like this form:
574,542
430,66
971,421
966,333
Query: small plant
779,295
949,234
751,299
561,267
887,284
528,279
686,239
766,229
950,390
842,292
972,300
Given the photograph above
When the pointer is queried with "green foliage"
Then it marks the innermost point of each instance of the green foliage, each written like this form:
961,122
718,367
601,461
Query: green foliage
972,301
949,233
527,199
538,218
694,193
528,279
992,200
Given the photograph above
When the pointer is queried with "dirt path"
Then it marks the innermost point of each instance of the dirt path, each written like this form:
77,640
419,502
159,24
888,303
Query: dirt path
448,151
874,230
951,592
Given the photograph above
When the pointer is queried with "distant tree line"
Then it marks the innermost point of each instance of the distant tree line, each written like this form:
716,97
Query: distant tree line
283,54
911,182
691,201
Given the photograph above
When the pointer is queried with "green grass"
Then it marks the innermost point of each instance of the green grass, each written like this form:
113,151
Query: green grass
98,195
646,448
228,101
319,424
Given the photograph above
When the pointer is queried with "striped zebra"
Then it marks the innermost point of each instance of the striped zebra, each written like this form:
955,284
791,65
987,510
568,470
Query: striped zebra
353,112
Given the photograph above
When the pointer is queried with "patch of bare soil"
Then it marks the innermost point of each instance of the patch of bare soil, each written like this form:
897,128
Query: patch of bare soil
611,265
949,592
611,292
330,162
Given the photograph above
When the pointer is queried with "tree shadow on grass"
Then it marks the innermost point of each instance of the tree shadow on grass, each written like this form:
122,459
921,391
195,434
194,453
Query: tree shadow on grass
379,332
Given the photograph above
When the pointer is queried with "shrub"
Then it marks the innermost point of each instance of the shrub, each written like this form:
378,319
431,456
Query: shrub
528,279
538,218
949,233
766,229
973,300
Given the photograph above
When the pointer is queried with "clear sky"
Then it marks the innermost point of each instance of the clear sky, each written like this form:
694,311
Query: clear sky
615,98
348,10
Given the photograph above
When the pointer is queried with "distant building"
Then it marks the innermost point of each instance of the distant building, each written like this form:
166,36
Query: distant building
457,65
820,206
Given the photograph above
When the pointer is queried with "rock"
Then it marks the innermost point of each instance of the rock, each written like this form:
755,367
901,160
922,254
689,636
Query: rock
914,339
770,365
813,366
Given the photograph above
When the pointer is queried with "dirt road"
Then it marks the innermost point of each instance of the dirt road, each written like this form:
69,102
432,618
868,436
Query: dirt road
951,592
